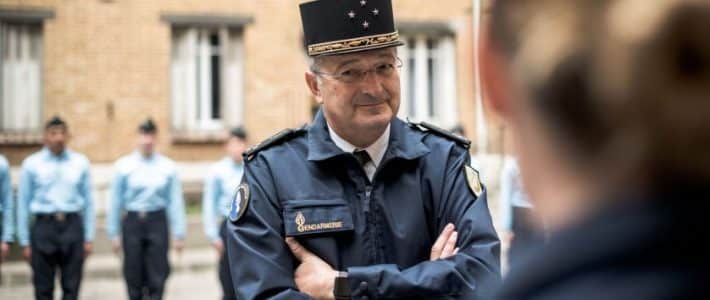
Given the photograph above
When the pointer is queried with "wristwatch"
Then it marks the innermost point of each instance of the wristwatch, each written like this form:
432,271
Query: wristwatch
341,288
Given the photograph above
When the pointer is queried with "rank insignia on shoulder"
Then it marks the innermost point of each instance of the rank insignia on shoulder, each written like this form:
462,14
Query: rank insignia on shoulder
428,127
240,201
283,135
474,180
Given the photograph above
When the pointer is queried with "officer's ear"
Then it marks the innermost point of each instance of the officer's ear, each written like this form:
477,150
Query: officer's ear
313,86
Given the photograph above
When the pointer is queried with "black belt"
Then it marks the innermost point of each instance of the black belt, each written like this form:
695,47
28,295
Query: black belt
142,214
57,216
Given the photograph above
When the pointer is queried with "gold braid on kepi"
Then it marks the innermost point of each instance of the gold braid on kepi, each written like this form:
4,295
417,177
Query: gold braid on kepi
345,26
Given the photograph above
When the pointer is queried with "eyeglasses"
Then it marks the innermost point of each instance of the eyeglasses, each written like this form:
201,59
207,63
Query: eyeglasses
356,75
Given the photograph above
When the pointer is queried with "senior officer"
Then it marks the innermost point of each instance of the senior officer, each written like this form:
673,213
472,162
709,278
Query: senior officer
146,196
55,190
353,205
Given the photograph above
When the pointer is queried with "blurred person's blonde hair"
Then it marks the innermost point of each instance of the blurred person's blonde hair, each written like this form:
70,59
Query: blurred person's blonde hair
623,85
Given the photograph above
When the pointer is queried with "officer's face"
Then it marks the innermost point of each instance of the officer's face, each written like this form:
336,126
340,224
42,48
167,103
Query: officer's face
355,103
56,138
146,143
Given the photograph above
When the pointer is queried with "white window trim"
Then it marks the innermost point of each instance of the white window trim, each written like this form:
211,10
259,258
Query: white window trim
21,80
184,99
445,103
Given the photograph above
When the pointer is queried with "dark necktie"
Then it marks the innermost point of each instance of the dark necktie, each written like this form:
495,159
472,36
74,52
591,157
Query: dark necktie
362,157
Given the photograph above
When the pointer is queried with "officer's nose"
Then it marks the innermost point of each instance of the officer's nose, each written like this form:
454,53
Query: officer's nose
373,85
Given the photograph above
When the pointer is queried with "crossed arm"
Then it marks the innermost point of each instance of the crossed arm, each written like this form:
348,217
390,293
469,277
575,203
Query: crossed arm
316,278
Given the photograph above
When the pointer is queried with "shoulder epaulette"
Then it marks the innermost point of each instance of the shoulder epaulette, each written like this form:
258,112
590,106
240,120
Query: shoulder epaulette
283,135
428,127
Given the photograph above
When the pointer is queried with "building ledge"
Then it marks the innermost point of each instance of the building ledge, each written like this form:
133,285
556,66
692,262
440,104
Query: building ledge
25,15
199,137
20,138
230,21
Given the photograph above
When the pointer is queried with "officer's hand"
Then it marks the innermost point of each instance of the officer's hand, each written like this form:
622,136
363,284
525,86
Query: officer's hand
313,276
116,245
219,246
27,254
88,248
445,245
4,250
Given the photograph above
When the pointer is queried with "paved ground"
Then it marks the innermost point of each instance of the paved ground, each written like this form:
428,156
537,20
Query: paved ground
194,277
201,285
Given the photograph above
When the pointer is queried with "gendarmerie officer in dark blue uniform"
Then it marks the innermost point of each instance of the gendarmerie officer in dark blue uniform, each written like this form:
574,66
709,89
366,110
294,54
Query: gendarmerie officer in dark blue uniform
609,111
360,204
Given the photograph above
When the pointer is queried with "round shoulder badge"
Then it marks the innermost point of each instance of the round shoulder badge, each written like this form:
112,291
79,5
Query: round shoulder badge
240,201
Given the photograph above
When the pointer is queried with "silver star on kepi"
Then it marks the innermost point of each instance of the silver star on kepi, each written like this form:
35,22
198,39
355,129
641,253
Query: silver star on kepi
351,14
376,12
365,25
363,2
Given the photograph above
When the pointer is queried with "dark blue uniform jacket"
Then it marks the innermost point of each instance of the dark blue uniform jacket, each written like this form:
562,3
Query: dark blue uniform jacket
381,232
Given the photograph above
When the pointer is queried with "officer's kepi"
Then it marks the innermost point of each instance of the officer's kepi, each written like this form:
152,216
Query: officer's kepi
333,27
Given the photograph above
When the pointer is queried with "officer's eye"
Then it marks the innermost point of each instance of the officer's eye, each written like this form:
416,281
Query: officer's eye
352,74
384,69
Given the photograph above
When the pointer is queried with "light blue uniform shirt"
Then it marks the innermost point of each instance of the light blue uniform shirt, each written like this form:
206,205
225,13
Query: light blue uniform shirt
512,193
220,186
54,183
6,203
143,184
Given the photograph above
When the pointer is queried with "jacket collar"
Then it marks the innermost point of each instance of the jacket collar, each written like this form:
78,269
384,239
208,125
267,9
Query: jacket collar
403,143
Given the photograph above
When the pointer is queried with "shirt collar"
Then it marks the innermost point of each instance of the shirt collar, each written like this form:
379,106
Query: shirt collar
48,153
376,150
139,156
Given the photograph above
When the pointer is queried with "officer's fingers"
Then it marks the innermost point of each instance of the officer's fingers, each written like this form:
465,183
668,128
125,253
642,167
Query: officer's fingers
456,251
297,249
441,242
450,245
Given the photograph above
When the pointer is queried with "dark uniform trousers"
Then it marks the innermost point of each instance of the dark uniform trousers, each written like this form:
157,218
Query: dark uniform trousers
145,247
224,276
57,241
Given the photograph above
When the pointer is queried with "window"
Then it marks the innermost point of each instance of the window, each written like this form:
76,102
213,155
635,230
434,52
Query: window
20,77
429,79
207,88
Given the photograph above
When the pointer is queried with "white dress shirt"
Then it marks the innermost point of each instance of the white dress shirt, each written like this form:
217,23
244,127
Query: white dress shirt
376,150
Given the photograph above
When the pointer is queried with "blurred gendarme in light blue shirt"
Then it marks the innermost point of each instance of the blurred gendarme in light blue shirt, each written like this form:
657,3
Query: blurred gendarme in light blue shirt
52,183
220,185
6,204
145,184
